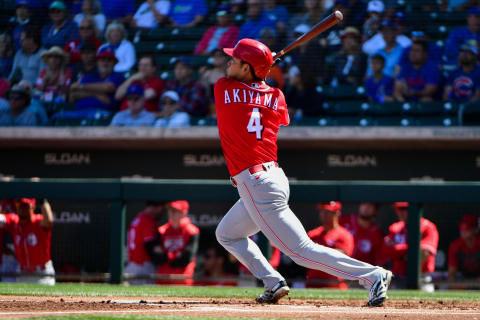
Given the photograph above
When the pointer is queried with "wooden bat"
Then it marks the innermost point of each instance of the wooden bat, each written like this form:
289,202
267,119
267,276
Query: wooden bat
320,27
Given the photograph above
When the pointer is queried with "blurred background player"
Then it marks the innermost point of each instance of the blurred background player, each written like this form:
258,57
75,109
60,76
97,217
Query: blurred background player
330,234
367,236
141,235
32,235
178,243
464,252
214,267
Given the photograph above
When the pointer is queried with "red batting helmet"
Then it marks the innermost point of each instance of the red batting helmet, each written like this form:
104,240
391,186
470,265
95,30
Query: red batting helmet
255,54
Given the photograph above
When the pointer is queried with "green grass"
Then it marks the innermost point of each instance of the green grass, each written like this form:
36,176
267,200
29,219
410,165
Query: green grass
83,290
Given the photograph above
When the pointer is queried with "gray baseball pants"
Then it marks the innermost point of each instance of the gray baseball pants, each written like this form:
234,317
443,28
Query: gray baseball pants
263,206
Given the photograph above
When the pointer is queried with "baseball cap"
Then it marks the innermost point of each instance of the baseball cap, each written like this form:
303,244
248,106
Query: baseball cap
30,201
86,45
223,9
376,6
106,52
181,205
468,222
475,11
417,33
185,60
171,94
350,31
58,5
301,28
469,46
330,206
19,3
400,205
23,88
135,89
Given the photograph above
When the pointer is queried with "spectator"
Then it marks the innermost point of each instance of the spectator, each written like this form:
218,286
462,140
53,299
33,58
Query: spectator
27,62
61,29
275,77
33,235
53,82
379,86
392,51
395,243
119,10
92,9
222,35
434,52
388,33
350,64
171,116
330,40
141,238
135,115
6,59
94,93
279,14
88,62
463,84
151,14
371,26
187,13
213,271
19,111
152,85
304,100
179,242
39,11
193,95
20,22
464,252
457,5
418,80
116,37
367,236
460,35
87,32
256,21
209,76
312,13
356,13
4,87
331,234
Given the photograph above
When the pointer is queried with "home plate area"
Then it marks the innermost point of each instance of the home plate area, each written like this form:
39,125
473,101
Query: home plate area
17,307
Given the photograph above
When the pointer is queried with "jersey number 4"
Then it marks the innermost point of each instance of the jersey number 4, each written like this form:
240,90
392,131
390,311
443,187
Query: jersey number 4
255,123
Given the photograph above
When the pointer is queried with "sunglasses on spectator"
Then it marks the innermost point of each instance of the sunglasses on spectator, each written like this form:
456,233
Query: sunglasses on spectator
55,11
169,103
134,98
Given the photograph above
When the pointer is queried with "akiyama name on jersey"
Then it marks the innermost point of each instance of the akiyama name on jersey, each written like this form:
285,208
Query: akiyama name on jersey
251,97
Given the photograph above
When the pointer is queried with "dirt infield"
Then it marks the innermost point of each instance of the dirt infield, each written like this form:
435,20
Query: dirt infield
17,307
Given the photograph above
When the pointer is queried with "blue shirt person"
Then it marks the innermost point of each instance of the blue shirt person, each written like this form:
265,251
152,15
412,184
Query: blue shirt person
135,115
463,83
61,29
378,86
256,21
121,10
187,13
18,110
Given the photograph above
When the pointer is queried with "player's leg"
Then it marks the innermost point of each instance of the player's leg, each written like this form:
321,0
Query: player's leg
233,234
266,198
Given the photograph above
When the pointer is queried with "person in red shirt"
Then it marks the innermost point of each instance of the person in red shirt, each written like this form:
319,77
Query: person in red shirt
367,235
32,237
87,32
395,245
141,236
178,245
330,234
464,252
153,86
249,116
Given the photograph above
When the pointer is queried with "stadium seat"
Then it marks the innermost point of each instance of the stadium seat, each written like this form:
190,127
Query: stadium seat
352,121
342,92
436,121
390,108
437,32
452,18
178,47
62,122
469,114
426,108
347,107
393,121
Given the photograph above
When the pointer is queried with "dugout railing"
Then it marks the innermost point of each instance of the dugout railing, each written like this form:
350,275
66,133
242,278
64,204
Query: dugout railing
119,191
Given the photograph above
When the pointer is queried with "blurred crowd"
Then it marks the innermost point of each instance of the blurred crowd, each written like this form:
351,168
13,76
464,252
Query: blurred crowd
78,59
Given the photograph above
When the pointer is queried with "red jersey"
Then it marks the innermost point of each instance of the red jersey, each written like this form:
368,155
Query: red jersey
466,260
142,229
151,105
396,245
337,238
174,241
32,241
368,241
249,116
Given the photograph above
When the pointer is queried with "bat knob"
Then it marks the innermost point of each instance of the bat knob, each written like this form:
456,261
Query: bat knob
338,15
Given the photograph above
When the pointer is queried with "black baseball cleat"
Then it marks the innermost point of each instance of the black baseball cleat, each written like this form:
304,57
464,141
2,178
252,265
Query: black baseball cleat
378,292
273,295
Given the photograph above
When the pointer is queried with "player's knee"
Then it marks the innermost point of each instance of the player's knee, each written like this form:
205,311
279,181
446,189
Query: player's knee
220,235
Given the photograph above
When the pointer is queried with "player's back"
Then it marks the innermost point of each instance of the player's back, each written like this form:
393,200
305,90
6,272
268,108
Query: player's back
249,116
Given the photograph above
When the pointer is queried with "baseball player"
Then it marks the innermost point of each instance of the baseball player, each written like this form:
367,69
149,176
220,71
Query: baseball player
249,114
32,237
141,238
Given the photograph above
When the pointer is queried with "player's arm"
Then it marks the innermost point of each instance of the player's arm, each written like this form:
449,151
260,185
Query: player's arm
155,251
47,221
188,254
429,242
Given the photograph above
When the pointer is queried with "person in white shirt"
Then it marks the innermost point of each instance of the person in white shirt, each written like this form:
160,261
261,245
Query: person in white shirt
171,116
377,42
116,37
151,14
92,8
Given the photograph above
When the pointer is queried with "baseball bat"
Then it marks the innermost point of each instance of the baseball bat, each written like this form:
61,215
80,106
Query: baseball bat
331,20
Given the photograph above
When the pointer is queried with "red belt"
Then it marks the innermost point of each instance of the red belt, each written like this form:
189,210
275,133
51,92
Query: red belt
254,169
